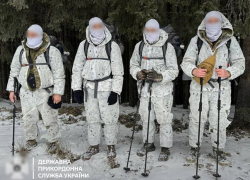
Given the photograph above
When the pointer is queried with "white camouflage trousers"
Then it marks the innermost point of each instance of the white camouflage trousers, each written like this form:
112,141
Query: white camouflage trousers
32,104
98,111
161,111
210,113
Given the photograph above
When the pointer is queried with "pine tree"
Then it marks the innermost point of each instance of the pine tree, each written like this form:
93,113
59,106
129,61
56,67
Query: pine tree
239,14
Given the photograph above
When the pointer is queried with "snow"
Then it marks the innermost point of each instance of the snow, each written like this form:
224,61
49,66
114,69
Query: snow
176,168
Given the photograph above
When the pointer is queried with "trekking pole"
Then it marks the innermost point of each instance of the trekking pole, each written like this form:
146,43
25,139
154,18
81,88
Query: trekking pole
133,132
14,113
149,109
218,128
196,176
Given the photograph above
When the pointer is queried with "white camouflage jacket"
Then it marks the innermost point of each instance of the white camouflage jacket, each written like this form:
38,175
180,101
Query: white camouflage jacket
54,77
84,69
168,67
231,59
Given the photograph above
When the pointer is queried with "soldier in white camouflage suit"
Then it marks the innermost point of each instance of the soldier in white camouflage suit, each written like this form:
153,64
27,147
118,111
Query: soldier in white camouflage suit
216,33
101,77
162,72
47,82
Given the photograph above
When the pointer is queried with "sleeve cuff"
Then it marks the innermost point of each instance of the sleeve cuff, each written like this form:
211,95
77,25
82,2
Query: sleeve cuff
230,72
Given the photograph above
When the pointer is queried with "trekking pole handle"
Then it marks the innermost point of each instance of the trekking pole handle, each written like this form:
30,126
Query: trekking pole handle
219,78
201,79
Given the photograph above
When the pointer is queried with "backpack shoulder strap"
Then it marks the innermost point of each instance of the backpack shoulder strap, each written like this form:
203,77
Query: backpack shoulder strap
199,44
46,55
20,57
164,50
86,47
108,49
228,48
228,44
141,48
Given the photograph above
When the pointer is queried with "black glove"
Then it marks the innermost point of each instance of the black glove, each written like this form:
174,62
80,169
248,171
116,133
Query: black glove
52,104
141,75
112,98
78,94
154,76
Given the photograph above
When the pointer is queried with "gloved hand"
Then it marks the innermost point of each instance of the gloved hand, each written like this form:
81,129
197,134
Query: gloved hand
78,94
52,104
141,75
112,98
137,117
154,76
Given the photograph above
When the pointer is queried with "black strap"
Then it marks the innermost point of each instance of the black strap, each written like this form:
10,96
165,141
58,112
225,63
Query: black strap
32,64
141,48
228,48
20,57
48,90
30,60
46,55
228,44
96,86
153,58
86,47
108,49
98,59
164,50
199,44
214,80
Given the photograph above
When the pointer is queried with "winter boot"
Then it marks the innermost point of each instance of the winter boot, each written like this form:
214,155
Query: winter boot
52,147
112,157
30,144
111,151
90,152
193,154
221,158
165,152
142,151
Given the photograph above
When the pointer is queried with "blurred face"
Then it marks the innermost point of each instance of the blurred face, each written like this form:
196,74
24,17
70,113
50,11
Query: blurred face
31,34
97,26
213,20
151,30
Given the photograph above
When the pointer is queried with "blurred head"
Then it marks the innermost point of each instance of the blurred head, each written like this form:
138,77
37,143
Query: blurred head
152,26
34,31
152,31
213,24
34,36
96,23
213,17
96,27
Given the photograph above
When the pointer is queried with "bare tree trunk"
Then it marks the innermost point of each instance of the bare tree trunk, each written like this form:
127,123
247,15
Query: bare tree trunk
242,109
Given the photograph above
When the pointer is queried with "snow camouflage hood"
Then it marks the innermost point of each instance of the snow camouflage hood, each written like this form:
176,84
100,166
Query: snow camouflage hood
107,38
34,54
162,38
227,31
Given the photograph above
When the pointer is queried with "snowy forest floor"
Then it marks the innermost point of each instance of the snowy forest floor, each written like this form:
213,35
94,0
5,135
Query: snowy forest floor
73,128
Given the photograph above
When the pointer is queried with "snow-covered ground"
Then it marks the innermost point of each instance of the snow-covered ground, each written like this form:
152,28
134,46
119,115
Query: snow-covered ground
97,168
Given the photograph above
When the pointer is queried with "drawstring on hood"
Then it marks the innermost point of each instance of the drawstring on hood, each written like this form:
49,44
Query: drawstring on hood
152,37
34,43
213,31
96,35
